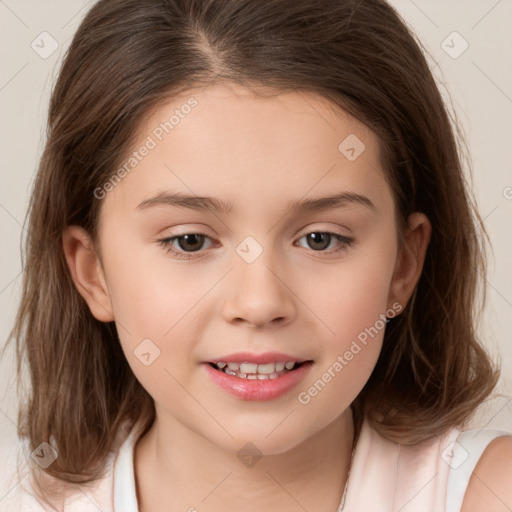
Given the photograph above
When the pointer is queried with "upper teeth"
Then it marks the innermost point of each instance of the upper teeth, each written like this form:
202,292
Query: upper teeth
263,369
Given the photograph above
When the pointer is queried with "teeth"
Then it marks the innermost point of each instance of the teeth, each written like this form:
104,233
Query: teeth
254,371
266,369
249,368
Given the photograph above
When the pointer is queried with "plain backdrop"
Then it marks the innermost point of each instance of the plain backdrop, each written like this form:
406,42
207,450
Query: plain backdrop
469,44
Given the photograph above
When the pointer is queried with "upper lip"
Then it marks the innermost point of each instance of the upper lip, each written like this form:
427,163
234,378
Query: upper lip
263,358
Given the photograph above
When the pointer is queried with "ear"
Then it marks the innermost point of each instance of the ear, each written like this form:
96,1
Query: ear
87,272
410,259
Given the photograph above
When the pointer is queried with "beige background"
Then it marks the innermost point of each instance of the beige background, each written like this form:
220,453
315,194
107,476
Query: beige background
479,81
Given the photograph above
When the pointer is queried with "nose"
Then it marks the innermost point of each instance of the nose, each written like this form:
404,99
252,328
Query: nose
259,294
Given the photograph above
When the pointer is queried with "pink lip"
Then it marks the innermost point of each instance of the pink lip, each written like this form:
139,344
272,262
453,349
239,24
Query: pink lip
250,357
258,389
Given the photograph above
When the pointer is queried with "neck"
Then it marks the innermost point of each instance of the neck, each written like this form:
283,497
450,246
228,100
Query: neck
176,466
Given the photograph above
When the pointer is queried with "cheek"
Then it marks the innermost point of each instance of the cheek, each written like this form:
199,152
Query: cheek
352,295
161,301
355,314
151,294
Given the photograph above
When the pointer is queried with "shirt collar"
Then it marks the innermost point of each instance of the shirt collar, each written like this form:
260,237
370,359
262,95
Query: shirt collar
124,494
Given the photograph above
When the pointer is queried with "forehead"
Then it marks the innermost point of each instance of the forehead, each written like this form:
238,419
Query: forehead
236,143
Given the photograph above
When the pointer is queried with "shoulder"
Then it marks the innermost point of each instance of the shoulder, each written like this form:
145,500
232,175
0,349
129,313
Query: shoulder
18,491
490,485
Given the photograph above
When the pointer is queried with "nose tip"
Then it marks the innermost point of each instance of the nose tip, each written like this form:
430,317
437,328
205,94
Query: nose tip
259,296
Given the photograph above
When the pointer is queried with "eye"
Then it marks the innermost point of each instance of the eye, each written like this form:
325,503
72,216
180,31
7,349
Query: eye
321,240
187,243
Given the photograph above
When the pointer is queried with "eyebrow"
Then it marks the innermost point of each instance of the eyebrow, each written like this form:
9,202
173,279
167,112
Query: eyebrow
211,204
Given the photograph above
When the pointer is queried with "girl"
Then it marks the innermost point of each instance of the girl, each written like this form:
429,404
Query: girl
251,271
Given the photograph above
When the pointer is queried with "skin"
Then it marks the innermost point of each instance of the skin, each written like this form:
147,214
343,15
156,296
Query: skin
489,488
260,154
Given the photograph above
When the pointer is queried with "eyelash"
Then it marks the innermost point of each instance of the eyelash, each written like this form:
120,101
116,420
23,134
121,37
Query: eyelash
166,243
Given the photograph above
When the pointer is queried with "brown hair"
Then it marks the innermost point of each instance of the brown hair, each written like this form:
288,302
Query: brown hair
125,59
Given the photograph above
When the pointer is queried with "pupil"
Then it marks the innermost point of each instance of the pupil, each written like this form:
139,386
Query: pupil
192,240
319,238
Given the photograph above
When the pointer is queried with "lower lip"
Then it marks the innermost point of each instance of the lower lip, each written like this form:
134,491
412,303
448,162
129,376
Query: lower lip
255,389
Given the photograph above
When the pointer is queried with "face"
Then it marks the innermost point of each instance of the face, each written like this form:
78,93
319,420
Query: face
266,272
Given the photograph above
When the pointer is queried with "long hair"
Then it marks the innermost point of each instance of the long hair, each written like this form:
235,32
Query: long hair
130,55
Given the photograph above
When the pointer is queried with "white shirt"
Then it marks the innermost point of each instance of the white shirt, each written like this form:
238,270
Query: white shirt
385,476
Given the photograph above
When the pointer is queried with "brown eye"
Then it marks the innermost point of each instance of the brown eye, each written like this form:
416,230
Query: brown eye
184,246
191,242
321,240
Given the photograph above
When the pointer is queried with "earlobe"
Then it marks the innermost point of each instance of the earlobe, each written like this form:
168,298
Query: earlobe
87,272
410,259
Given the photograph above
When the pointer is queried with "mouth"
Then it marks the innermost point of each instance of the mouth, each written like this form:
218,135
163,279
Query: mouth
257,376
253,371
